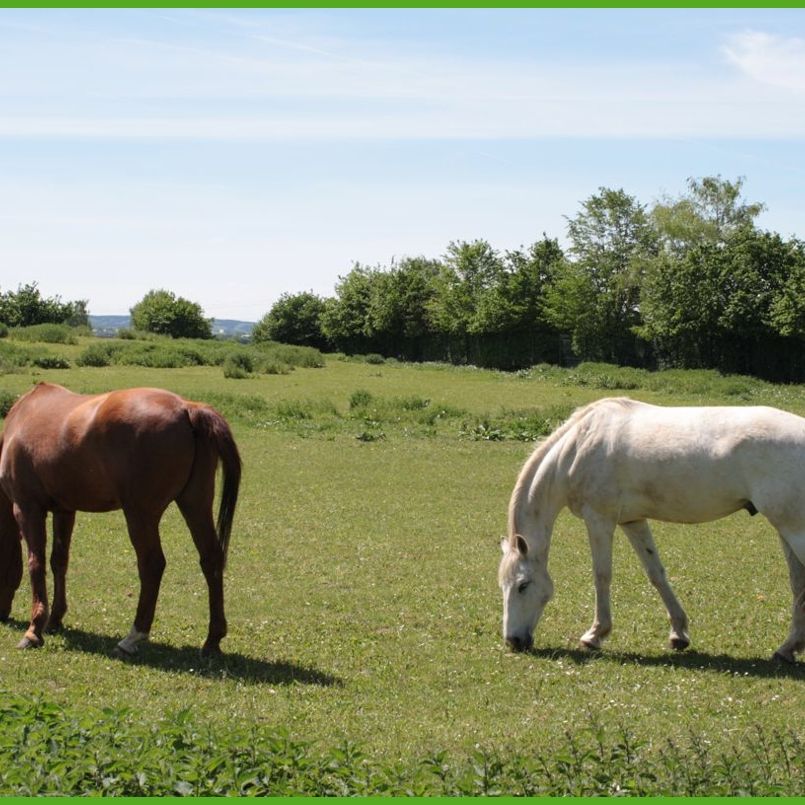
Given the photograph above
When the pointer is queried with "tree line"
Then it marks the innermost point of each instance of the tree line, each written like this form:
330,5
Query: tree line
691,282
26,307
159,311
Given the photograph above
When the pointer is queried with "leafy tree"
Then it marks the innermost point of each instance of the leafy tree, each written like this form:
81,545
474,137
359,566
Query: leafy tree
681,307
293,319
400,298
528,276
711,212
718,304
398,317
596,297
162,312
465,298
787,315
26,306
345,318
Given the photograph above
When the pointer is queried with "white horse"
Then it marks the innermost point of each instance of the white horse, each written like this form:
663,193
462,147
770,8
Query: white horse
622,462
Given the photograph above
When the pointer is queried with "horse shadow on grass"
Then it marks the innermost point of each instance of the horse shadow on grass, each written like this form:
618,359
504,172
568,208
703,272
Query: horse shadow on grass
760,667
188,660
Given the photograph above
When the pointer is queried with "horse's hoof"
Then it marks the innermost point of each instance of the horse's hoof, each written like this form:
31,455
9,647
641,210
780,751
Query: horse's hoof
122,654
589,645
788,659
54,628
30,642
211,650
679,643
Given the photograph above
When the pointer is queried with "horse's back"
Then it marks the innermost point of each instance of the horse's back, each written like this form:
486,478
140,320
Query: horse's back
97,452
685,464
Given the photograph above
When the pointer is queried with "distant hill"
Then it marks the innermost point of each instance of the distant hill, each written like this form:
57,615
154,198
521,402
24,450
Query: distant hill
109,325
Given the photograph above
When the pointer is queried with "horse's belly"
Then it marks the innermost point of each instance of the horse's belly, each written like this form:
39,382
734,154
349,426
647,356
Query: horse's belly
682,506
85,492
81,502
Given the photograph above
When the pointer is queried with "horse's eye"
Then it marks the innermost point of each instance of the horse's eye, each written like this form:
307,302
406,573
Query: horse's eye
521,588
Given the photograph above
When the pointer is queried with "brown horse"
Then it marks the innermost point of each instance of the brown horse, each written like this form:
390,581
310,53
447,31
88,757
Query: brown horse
136,450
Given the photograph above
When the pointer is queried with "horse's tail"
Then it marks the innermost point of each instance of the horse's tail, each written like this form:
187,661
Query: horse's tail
210,425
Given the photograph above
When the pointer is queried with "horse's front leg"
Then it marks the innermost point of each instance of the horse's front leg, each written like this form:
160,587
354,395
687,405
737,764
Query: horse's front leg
31,522
600,533
63,523
642,541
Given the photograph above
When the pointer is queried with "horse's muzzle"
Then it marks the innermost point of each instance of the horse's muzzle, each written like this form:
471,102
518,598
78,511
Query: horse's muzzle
520,643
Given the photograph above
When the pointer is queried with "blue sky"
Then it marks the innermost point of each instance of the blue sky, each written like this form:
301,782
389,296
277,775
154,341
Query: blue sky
233,155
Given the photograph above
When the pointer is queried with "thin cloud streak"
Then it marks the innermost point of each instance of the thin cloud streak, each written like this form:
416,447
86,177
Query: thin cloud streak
278,88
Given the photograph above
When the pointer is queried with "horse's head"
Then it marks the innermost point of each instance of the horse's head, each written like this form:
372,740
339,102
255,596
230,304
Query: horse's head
526,587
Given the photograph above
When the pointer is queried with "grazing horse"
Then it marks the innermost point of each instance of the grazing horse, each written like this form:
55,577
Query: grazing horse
136,450
618,462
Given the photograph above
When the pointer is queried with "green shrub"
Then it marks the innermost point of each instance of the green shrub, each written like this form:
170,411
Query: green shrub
301,357
7,399
238,366
96,355
374,358
234,372
304,409
249,407
527,425
45,333
3,330
412,403
51,362
275,368
163,354
13,357
360,399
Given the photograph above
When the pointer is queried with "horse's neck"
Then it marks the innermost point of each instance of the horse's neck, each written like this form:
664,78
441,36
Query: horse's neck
537,499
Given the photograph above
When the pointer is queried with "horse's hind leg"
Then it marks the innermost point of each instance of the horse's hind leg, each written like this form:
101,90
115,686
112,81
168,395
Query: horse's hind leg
63,523
639,535
600,533
10,557
144,534
197,512
31,523
796,637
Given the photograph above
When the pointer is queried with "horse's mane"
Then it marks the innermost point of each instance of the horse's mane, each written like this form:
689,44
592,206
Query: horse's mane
542,449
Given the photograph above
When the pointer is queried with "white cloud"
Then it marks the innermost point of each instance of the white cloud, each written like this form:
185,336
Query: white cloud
773,60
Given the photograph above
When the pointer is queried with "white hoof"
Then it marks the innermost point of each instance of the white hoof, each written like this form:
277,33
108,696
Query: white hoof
129,645
591,641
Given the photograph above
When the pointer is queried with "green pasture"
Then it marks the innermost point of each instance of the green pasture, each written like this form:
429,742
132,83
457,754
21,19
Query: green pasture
361,586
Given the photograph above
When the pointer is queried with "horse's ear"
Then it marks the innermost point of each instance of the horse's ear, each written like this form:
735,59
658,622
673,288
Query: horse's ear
520,545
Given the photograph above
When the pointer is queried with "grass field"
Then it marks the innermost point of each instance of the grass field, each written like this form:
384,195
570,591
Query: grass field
363,604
